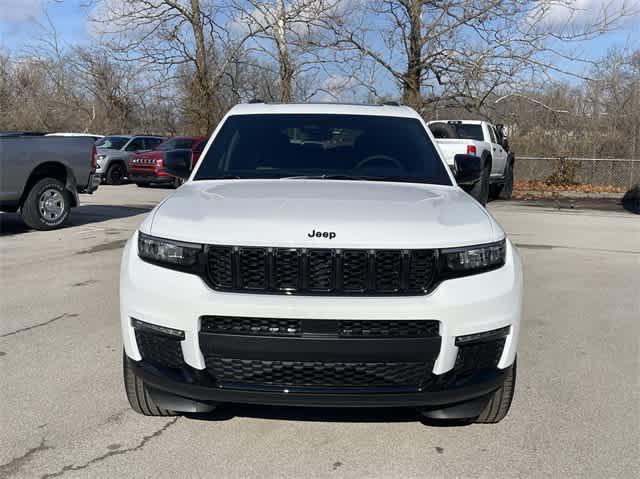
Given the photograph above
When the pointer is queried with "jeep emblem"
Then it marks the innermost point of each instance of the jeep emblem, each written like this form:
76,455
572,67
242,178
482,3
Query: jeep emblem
322,234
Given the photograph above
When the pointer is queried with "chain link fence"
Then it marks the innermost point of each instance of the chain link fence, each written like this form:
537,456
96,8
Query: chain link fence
622,173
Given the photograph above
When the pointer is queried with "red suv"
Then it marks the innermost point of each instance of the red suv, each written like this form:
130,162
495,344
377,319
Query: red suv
146,167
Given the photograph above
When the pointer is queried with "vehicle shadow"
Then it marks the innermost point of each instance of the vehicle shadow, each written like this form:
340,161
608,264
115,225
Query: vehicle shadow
12,224
226,412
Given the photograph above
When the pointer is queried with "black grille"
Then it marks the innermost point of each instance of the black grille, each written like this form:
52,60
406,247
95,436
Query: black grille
252,326
320,271
159,349
316,374
388,329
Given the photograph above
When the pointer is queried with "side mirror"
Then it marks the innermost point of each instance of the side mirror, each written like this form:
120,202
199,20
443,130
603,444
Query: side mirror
467,169
177,163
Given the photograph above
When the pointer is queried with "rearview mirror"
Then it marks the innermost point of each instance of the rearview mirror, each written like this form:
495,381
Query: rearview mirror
177,163
467,169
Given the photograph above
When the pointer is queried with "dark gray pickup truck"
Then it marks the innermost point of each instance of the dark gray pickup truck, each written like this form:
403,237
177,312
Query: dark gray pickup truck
41,176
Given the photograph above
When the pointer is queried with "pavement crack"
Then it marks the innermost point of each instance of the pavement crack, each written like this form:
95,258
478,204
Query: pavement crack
16,464
111,245
39,325
84,283
112,452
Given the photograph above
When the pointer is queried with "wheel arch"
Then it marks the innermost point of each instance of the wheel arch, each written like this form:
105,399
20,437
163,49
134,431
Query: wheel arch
52,169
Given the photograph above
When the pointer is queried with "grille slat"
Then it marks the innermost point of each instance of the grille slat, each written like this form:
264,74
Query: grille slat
253,268
320,271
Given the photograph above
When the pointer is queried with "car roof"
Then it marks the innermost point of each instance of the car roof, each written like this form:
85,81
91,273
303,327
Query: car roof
74,134
323,108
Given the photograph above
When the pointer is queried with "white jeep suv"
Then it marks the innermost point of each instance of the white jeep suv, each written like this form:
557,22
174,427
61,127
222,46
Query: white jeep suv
321,255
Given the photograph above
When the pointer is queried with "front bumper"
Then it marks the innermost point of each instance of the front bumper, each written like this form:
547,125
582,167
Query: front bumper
94,183
180,392
459,307
147,176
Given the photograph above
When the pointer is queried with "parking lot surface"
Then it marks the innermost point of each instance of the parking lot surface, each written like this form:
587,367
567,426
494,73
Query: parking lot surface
63,412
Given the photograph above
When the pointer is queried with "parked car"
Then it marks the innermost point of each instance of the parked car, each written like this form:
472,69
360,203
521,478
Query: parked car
91,135
489,144
311,260
41,176
145,168
114,152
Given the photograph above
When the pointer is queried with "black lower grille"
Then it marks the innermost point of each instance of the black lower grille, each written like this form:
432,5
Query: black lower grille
159,349
316,374
252,326
351,328
320,271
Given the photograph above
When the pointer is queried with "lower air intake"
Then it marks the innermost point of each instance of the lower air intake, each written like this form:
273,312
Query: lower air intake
316,374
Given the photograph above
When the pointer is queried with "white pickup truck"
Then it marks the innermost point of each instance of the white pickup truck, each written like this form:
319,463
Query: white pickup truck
486,141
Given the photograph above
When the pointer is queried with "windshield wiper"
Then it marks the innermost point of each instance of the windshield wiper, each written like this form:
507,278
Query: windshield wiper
328,177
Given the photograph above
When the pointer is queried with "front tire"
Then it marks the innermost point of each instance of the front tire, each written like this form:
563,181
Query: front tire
480,191
504,191
138,394
500,401
116,174
177,182
47,205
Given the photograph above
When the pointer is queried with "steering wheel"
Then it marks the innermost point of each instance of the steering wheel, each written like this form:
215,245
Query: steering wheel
387,158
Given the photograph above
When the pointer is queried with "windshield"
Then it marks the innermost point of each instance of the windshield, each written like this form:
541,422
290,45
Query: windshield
323,146
175,144
112,142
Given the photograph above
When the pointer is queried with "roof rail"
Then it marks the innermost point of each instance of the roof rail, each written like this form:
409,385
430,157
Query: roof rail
256,100
391,103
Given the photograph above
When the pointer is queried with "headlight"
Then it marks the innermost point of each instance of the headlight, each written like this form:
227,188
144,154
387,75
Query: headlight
169,253
101,157
473,259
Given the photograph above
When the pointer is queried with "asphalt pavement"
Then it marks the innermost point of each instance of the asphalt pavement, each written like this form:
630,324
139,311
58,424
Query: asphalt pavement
63,412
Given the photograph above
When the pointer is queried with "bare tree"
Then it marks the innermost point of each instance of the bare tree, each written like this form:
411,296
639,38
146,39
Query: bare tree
176,37
463,51
284,32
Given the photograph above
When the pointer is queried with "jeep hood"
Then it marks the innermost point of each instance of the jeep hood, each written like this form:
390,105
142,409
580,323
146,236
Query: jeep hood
362,214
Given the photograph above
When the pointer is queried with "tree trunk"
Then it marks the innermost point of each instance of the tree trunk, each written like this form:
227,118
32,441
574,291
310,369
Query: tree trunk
413,78
285,67
204,91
